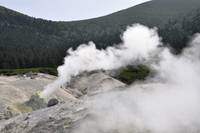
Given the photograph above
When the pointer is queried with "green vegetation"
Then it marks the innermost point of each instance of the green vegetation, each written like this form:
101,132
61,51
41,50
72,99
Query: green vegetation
27,42
132,73
10,72
179,31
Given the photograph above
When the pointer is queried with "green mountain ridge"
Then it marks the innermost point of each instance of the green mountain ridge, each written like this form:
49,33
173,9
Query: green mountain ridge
29,42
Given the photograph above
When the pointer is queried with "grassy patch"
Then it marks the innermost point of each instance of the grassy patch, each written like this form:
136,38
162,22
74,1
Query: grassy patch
130,74
10,72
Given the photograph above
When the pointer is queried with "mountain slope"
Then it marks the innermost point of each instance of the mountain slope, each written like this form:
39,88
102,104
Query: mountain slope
31,42
156,12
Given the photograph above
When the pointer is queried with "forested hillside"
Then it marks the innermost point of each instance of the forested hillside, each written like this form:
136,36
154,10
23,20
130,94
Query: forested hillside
29,42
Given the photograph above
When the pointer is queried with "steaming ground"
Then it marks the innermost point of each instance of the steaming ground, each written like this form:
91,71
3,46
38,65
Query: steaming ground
168,102
137,43
15,90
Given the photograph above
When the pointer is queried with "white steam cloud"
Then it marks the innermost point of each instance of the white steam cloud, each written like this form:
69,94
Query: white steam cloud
168,102
138,43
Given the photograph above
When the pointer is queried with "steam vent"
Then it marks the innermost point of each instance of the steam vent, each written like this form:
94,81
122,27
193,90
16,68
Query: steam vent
133,71
36,102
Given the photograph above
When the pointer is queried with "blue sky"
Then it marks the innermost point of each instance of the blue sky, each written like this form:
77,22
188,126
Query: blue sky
68,10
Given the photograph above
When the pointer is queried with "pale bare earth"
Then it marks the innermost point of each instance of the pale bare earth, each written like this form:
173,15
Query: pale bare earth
18,89
61,118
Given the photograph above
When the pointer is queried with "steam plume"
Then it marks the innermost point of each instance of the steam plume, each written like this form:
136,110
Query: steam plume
137,43
166,103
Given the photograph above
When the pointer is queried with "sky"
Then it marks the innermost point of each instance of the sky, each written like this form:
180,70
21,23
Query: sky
68,10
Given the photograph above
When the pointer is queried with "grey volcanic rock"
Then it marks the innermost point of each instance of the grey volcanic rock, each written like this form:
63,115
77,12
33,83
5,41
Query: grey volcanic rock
67,115
35,102
52,102
92,84
57,119
15,90
6,112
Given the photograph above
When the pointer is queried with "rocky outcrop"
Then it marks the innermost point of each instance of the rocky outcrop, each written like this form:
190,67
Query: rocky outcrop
16,90
57,119
92,83
6,112
67,115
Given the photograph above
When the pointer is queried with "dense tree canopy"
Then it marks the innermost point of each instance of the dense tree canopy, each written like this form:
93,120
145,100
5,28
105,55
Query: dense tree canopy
29,42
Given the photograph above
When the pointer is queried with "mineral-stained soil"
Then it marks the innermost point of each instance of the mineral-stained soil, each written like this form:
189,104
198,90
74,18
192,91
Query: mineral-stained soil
15,90
61,118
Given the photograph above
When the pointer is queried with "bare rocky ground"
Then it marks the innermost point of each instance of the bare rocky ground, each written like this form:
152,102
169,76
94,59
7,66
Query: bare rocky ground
61,118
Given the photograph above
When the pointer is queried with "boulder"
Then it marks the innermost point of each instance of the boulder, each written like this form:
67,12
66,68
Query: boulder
52,102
